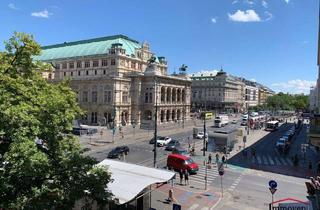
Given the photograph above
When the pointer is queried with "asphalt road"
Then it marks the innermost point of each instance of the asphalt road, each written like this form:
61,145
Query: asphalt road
243,187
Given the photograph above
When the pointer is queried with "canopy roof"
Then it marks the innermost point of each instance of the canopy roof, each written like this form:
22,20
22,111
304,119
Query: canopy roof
96,46
130,179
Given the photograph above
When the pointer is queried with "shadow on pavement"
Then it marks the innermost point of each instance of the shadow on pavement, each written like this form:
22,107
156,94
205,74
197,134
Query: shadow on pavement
269,159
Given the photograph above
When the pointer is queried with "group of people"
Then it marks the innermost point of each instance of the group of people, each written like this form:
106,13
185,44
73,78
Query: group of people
223,159
184,174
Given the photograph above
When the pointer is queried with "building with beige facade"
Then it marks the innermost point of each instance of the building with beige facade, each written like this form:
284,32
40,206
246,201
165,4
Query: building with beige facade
220,92
119,80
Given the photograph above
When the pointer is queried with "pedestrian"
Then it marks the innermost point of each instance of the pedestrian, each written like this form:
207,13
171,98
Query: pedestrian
223,159
186,177
217,158
209,159
310,165
181,176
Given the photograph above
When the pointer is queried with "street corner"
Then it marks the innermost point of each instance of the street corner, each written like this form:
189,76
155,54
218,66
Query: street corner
188,198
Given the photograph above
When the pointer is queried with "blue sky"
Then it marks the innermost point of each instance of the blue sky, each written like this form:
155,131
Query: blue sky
271,41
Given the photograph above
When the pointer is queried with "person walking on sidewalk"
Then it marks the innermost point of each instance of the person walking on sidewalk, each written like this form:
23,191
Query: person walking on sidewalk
209,159
217,158
223,159
181,176
186,177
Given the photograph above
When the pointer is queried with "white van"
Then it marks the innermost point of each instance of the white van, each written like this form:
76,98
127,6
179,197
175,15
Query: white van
221,120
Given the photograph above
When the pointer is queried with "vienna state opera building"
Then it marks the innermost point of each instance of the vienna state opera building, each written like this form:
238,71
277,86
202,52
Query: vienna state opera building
119,81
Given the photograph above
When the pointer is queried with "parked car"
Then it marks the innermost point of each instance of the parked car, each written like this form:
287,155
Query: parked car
201,134
152,141
172,144
180,151
116,152
163,141
178,162
234,121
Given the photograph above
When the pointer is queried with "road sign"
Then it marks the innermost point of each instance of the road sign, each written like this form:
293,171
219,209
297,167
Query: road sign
272,190
176,207
273,184
221,169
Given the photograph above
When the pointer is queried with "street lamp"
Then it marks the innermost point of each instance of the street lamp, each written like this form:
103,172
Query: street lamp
114,116
204,123
155,125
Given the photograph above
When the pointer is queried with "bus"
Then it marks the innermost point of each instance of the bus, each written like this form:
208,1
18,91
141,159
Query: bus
272,125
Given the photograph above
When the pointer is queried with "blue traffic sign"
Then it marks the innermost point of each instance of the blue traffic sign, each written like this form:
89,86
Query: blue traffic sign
273,184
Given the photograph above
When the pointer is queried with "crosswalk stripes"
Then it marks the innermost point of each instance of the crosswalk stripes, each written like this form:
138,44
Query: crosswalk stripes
200,176
272,160
277,161
259,160
265,161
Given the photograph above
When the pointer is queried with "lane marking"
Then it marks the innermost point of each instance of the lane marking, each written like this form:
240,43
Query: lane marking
265,161
277,161
289,161
259,159
270,160
283,161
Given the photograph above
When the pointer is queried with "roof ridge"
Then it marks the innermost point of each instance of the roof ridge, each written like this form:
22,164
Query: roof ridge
90,40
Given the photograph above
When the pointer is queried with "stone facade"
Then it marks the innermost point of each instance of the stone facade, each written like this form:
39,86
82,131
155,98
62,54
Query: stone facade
118,86
220,92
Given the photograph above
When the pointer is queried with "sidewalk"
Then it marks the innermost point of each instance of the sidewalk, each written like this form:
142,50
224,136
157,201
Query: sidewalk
187,197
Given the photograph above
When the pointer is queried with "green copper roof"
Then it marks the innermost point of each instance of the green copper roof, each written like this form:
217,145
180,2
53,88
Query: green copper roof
88,47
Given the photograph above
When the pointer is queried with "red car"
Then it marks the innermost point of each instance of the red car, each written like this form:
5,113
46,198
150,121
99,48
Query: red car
178,162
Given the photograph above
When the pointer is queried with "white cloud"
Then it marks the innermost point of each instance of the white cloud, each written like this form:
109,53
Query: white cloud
253,80
268,15
287,1
12,6
264,4
214,20
41,14
250,2
244,16
294,86
235,1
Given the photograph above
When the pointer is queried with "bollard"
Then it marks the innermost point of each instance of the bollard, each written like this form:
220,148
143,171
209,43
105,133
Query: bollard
170,196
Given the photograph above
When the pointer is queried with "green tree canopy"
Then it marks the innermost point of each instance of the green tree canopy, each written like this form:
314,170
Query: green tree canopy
283,101
30,107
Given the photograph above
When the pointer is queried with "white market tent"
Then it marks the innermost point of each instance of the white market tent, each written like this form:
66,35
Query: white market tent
130,179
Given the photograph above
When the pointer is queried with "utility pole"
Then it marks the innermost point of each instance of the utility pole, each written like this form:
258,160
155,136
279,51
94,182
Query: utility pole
155,126
114,116
248,131
204,123
184,105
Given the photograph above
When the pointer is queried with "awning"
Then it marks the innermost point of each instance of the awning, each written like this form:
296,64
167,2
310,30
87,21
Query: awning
130,179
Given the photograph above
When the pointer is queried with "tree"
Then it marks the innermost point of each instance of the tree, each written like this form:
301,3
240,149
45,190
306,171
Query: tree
48,177
283,101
